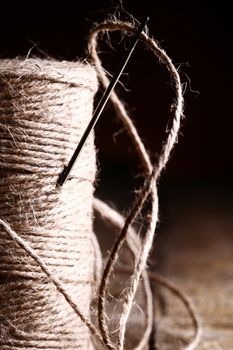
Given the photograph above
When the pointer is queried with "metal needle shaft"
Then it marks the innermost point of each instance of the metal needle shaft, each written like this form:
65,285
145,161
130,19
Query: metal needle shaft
65,173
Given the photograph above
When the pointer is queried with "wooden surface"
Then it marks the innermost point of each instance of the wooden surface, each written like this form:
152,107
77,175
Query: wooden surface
198,256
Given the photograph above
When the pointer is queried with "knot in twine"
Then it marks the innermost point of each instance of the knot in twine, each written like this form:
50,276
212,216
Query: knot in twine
44,219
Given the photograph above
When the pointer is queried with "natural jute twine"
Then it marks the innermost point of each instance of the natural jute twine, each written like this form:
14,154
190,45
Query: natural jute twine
49,257
45,106
149,190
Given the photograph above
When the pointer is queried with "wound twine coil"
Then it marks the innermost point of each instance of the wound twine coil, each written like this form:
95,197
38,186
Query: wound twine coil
45,106
49,259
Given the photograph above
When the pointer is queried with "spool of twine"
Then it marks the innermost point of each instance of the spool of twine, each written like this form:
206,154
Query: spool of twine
44,108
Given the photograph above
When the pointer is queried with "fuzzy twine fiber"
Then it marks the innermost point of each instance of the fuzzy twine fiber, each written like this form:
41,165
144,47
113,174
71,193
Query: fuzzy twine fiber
45,106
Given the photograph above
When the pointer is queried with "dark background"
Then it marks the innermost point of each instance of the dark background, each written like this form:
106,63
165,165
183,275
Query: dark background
198,38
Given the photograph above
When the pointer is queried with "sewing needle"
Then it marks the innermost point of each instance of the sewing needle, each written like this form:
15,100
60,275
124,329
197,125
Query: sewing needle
65,173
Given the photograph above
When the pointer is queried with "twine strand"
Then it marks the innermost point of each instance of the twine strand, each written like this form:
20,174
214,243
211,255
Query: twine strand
133,241
198,330
116,221
150,186
60,286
